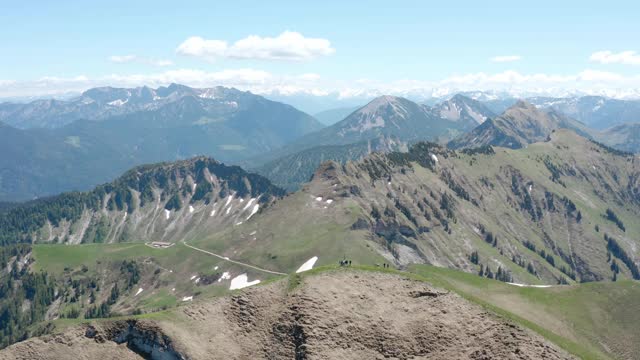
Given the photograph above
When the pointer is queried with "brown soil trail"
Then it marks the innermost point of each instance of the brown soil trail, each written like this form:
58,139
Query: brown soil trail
335,315
232,261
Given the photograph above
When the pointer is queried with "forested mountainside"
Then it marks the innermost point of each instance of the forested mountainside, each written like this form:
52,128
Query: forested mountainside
557,211
149,202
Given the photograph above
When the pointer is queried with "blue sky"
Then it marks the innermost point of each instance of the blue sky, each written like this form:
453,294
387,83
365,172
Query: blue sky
55,46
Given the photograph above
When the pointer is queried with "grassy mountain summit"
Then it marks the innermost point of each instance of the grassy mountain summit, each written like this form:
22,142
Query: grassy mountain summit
521,124
547,205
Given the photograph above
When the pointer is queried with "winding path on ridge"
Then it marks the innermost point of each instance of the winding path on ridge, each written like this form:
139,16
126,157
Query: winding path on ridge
233,261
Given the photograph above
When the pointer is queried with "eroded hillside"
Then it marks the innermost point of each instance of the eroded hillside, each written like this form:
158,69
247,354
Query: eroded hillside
342,314
556,209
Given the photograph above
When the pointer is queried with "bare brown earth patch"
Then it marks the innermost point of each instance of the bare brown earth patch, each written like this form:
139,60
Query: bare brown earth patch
334,315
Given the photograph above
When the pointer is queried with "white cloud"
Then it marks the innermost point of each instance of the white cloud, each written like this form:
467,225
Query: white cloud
506,58
596,75
199,47
592,82
123,59
160,62
309,77
511,77
246,79
289,45
609,57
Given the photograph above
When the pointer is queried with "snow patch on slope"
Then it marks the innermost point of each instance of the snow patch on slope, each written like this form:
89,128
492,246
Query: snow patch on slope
308,265
253,211
118,102
249,204
225,276
242,281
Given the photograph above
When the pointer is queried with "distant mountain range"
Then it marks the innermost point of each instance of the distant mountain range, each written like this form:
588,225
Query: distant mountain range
463,109
594,111
625,137
518,126
385,124
332,116
61,145
128,127
106,102
293,170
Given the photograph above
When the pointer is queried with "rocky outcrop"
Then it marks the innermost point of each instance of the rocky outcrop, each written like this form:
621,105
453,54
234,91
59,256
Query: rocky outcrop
143,338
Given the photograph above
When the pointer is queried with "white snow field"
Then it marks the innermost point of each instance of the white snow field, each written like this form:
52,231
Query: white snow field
308,265
242,281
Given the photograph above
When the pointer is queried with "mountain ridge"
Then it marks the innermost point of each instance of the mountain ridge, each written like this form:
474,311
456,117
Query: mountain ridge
520,125
101,103
155,195
386,123
84,153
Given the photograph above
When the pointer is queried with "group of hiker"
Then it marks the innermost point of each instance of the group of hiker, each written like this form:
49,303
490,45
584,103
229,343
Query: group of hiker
345,262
